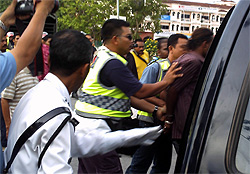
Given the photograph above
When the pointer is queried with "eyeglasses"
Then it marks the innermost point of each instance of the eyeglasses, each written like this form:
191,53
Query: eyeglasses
129,37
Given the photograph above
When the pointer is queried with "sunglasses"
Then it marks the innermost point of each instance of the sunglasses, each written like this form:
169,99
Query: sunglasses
129,37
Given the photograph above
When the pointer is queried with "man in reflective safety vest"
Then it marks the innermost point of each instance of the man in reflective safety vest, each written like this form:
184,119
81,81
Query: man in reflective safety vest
110,88
161,150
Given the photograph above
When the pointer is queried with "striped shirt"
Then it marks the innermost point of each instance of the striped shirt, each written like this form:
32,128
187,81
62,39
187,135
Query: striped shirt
22,82
191,64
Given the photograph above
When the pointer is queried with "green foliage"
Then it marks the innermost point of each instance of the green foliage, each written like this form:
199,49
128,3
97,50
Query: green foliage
142,16
151,47
4,4
83,15
89,15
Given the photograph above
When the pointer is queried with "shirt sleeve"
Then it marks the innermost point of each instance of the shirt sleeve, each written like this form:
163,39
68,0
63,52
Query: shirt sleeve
9,92
190,70
93,136
115,73
150,74
7,69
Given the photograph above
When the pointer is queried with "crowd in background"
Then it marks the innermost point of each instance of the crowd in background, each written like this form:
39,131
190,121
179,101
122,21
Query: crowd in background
121,81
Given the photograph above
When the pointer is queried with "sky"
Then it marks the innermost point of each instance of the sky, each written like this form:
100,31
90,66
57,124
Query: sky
205,1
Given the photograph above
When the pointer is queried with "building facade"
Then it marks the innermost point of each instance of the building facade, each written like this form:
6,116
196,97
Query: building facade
184,17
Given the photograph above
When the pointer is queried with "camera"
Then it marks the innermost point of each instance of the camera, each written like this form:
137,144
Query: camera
26,7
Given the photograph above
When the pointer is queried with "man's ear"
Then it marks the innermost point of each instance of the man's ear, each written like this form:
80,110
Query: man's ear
204,44
170,48
85,70
114,40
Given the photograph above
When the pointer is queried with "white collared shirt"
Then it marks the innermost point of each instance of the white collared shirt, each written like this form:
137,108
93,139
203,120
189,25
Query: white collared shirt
86,141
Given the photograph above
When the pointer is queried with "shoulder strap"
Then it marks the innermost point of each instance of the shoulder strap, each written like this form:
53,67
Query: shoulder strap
141,58
52,138
32,129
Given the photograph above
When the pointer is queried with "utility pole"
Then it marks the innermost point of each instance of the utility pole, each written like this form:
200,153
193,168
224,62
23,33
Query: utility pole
117,7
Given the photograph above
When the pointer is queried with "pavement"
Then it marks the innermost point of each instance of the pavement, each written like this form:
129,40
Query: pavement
125,159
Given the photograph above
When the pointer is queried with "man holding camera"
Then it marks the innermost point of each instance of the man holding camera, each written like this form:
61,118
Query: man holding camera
15,60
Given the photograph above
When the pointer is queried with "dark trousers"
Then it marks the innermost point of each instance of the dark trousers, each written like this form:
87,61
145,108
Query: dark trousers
108,163
160,153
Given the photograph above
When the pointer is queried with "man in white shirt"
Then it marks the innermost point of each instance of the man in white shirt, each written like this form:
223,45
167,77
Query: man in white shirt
70,54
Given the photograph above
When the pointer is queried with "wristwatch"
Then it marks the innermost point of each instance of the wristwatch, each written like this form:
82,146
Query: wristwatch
3,26
155,110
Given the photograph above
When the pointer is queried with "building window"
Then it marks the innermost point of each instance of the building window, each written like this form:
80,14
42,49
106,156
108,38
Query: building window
221,19
173,27
217,19
193,28
184,28
198,16
173,13
213,18
166,27
212,29
178,15
194,16
177,28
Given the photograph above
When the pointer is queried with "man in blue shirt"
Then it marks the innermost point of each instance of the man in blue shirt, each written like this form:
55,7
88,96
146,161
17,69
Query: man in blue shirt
15,60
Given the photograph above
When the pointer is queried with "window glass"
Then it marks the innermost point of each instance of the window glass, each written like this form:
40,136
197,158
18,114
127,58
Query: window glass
243,151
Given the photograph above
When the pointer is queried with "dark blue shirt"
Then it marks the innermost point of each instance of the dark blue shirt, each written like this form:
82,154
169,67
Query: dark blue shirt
115,73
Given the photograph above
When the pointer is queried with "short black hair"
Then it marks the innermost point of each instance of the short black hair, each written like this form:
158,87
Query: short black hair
16,34
173,39
138,40
69,50
199,36
160,41
112,27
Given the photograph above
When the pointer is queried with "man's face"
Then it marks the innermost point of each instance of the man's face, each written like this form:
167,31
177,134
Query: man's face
163,51
140,48
3,45
16,39
206,48
124,41
180,48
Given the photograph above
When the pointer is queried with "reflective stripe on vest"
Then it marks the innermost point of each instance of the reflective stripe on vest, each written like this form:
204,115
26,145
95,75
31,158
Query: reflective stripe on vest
163,66
97,100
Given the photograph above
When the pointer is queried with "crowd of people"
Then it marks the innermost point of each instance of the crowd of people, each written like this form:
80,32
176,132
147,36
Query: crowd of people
40,130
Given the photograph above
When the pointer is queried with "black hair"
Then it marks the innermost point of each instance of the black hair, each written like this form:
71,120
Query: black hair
69,50
198,37
112,27
160,41
16,34
45,38
138,40
173,39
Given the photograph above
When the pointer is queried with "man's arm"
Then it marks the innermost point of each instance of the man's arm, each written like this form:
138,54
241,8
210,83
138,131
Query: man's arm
30,40
143,105
6,114
149,90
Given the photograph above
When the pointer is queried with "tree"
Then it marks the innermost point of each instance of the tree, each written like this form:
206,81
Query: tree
142,16
84,15
4,4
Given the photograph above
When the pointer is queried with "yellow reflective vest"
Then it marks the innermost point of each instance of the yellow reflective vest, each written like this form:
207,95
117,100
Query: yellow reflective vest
141,62
164,64
97,100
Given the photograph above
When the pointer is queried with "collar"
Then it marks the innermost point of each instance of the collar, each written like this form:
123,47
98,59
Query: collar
58,84
198,56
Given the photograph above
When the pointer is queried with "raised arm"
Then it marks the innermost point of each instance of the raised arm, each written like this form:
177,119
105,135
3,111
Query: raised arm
30,40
